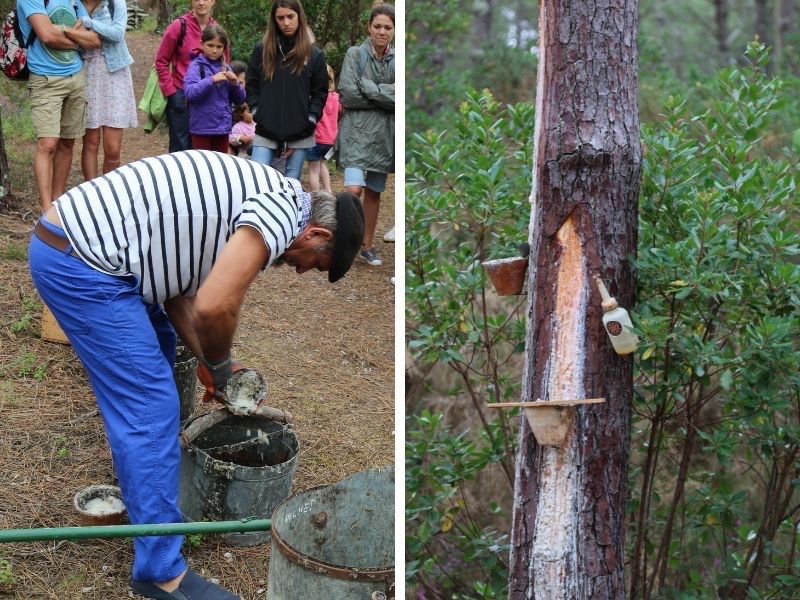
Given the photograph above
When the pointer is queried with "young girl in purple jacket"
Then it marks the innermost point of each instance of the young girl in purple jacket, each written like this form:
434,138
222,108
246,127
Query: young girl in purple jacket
211,87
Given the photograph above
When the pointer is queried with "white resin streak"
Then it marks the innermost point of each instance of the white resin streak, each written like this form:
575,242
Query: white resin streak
554,546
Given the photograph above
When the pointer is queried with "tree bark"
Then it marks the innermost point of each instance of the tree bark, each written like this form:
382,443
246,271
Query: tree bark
164,15
5,178
569,502
785,15
721,19
762,21
482,21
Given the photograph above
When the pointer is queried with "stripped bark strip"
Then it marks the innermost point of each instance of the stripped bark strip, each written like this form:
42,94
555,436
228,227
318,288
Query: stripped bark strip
554,544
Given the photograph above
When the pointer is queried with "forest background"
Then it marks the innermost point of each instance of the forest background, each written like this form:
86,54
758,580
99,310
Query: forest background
337,25
714,478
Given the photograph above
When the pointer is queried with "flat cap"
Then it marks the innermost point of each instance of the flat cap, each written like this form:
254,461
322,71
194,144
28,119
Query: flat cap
349,234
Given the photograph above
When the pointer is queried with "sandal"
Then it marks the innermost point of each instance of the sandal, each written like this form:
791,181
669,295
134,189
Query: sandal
192,587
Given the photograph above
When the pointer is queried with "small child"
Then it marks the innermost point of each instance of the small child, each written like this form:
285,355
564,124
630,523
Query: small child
239,68
243,132
324,136
210,87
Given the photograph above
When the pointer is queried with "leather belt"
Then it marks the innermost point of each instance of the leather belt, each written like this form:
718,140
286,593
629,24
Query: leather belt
53,239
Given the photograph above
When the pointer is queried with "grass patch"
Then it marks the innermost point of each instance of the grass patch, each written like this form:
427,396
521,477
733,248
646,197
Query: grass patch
14,252
70,585
26,364
7,579
62,446
23,324
8,395
18,132
149,24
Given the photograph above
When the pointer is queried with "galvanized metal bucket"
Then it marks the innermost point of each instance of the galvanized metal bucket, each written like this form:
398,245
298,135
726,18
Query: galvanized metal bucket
335,542
237,468
185,375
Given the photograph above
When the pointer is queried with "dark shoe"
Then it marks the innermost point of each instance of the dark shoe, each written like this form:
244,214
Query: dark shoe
371,257
192,587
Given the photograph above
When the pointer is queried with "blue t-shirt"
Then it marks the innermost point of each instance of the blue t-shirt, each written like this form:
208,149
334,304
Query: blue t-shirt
43,60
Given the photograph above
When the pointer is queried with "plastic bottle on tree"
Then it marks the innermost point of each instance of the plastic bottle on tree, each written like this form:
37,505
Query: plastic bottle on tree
617,323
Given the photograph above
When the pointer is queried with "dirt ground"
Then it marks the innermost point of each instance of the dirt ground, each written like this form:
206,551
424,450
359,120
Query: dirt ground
326,350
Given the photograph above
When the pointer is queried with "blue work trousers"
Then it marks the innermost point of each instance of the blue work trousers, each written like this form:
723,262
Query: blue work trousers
128,350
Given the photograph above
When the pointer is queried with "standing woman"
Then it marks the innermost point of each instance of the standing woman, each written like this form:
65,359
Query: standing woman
179,45
110,101
366,131
287,86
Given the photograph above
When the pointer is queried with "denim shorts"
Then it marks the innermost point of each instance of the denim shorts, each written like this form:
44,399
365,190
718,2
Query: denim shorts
318,152
374,181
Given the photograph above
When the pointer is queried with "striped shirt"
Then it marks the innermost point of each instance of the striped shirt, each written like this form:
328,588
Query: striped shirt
165,219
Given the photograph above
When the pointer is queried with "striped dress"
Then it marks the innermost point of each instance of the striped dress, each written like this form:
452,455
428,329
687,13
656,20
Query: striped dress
165,219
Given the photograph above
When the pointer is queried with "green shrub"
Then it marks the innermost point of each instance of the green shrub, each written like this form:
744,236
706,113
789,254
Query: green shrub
716,442
468,187
447,549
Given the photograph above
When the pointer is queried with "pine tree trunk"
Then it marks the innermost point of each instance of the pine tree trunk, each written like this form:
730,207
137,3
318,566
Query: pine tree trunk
762,21
569,502
721,20
785,14
5,177
164,15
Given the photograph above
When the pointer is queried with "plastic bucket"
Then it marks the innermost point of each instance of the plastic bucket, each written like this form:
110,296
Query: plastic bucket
335,542
240,467
185,374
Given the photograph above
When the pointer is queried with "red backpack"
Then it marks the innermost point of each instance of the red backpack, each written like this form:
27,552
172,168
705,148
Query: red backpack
13,58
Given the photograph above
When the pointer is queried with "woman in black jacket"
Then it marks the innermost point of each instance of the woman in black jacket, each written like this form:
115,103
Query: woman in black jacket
287,86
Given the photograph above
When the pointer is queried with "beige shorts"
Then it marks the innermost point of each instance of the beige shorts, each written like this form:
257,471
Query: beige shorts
58,105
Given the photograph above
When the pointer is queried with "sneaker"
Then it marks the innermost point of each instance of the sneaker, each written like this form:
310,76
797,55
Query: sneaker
371,257
192,586
389,237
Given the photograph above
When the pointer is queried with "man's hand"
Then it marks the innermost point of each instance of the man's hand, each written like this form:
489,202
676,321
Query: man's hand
215,376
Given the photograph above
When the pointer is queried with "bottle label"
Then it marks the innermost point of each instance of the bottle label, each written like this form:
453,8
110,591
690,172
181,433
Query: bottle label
614,328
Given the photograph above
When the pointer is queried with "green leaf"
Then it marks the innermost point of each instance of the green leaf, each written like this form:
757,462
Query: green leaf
726,379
